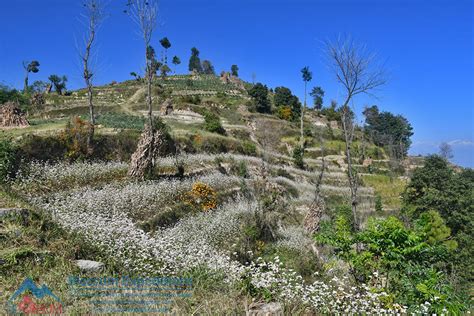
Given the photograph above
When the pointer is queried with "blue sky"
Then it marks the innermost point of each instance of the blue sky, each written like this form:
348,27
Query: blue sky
427,47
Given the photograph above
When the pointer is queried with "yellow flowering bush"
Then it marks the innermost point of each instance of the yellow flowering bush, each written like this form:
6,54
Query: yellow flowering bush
202,195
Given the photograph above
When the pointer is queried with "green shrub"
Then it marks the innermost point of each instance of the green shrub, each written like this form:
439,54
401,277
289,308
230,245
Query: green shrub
298,157
378,203
239,168
249,148
213,124
8,161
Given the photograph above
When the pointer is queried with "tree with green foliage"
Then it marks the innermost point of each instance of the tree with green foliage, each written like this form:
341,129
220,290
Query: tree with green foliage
195,61
32,66
164,70
388,130
307,76
135,75
58,82
234,69
437,187
284,98
317,93
399,259
208,68
154,64
166,44
176,61
259,93
8,94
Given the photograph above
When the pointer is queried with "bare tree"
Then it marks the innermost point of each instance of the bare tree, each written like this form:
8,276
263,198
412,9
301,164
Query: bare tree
145,14
356,70
92,17
446,151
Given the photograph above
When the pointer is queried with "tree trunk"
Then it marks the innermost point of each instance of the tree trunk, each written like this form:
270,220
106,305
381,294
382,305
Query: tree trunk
348,134
301,121
25,89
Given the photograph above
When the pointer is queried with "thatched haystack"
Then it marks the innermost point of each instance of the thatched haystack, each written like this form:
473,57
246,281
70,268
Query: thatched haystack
12,116
147,151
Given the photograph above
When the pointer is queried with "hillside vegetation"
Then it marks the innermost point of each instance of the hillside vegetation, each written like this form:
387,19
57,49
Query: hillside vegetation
227,201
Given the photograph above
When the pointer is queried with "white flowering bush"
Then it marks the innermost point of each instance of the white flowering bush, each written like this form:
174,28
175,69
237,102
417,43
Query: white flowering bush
47,176
332,297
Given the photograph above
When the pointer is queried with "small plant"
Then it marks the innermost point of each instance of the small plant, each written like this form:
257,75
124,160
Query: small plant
378,204
239,168
202,195
298,157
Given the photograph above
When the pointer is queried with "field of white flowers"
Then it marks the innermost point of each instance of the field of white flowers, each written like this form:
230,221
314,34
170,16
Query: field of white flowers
97,201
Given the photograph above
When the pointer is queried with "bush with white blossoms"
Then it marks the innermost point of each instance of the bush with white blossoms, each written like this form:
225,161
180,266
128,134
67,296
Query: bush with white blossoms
41,176
333,297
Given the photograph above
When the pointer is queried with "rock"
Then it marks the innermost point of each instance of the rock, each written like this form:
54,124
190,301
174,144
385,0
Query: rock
334,124
7,211
89,265
265,309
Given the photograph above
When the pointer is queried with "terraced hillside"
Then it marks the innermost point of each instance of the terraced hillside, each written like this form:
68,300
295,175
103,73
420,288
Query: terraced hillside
227,205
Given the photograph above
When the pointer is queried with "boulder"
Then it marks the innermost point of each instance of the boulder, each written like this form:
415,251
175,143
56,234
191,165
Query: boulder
265,309
89,265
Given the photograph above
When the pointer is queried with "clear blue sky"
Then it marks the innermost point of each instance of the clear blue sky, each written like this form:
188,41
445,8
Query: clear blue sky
427,46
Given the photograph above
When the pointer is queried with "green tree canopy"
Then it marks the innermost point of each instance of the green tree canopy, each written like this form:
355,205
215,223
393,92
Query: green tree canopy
195,61
234,70
58,82
284,97
259,93
317,93
389,130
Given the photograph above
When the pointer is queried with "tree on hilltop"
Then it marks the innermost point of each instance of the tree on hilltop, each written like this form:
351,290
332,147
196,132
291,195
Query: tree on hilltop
234,69
195,61
33,67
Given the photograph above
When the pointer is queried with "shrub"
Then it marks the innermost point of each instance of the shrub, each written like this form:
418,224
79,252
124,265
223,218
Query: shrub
8,161
75,138
298,157
239,168
249,148
213,124
202,195
378,204
285,113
